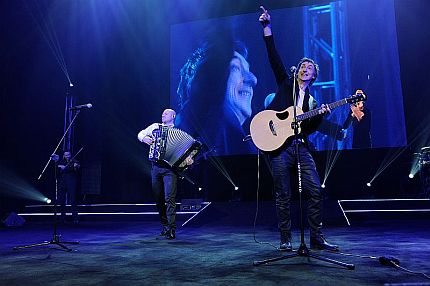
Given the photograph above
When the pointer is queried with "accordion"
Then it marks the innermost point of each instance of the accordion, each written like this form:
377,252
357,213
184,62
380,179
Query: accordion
173,146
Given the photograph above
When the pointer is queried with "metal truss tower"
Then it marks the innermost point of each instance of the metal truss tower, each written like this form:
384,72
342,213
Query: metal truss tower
325,41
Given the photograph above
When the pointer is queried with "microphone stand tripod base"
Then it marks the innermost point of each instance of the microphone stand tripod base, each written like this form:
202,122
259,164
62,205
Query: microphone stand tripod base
55,241
304,252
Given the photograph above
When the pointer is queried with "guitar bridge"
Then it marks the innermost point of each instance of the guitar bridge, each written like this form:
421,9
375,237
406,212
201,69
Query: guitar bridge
272,128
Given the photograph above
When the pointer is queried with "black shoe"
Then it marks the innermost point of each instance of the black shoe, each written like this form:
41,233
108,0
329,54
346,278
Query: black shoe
171,234
286,246
164,231
285,241
321,243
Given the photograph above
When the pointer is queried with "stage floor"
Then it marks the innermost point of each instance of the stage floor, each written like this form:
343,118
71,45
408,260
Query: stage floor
208,252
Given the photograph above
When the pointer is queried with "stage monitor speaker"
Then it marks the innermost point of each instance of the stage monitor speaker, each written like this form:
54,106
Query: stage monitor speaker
12,219
191,204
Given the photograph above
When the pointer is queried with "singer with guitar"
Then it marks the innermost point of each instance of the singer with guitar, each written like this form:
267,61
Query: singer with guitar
283,159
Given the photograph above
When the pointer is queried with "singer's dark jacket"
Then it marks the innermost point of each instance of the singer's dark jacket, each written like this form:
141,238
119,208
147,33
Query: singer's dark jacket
284,95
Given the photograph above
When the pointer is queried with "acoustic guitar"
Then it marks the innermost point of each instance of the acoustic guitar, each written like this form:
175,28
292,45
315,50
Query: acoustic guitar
270,128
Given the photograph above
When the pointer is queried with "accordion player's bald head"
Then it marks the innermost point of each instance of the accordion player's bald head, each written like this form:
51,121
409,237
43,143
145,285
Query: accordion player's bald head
168,116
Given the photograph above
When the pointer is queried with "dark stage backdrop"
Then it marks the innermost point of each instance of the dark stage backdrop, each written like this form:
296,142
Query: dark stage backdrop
118,56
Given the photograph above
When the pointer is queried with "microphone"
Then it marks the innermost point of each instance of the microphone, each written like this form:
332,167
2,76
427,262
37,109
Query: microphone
389,261
77,107
293,69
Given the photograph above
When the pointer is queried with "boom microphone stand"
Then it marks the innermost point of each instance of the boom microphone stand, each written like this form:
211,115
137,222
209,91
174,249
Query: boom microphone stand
303,249
55,236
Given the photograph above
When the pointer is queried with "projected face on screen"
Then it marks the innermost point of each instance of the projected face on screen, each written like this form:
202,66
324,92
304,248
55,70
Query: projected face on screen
239,89
215,94
215,64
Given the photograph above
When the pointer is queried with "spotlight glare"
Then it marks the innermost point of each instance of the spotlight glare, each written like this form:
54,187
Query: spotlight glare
323,186
71,84
369,184
47,200
236,188
200,188
411,176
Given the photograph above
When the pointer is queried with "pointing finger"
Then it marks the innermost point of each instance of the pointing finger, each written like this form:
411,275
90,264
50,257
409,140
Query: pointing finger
264,9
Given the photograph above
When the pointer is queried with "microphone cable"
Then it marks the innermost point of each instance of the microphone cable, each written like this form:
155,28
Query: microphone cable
385,260
257,205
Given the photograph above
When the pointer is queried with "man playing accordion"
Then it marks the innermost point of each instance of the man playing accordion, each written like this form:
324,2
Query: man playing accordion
166,156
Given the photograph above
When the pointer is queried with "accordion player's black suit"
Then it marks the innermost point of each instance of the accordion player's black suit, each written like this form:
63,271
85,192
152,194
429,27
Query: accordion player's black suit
168,154
164,186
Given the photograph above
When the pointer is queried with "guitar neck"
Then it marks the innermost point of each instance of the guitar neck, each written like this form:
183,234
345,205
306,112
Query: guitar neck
315,112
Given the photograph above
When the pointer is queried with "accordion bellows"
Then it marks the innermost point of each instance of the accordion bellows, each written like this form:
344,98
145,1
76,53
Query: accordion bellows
173,146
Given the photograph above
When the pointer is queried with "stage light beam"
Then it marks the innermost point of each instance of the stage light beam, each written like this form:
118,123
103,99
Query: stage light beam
12,185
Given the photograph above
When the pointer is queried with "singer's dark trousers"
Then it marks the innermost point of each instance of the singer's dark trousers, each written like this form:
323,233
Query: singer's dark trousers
164,181
283,162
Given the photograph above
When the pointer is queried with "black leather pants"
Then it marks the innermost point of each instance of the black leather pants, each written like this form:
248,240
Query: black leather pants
283,162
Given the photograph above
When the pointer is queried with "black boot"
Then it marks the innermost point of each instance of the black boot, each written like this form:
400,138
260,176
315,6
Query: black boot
171,234
285,244
164,231
319,242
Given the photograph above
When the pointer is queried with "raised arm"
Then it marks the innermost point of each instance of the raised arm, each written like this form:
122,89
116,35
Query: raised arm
265,22
275,60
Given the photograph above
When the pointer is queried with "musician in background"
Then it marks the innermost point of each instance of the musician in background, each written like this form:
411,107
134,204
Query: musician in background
359,119
68,169
164,178
283,160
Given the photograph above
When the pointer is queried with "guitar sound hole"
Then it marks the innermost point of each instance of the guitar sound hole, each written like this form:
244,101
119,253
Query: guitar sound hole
272,128
282,115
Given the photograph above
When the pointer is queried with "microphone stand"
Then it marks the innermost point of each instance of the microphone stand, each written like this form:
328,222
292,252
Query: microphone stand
303,249
55,236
